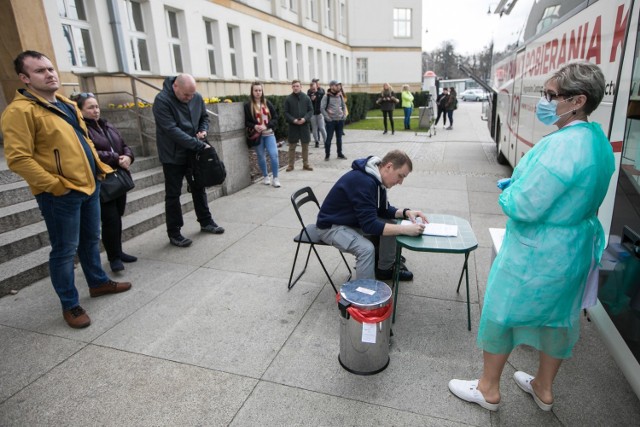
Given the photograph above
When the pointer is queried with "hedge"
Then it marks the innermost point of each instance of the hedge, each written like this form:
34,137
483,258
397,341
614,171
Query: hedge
358,103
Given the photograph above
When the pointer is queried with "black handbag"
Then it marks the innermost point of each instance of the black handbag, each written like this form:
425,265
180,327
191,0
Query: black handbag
115,184
253,137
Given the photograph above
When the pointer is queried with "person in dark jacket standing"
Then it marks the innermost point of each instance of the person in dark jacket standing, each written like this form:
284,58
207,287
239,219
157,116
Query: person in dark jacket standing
334,111
298,110
113,151
387,101
318,129
441,102
357,205
452,104
181,129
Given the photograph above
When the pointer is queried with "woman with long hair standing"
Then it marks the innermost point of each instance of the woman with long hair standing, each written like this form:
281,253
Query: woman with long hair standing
113,151
262,116
387,101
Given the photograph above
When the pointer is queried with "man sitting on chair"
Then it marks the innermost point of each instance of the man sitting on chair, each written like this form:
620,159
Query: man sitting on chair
357,206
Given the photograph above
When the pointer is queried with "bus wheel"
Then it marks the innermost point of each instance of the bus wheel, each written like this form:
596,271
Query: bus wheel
500,158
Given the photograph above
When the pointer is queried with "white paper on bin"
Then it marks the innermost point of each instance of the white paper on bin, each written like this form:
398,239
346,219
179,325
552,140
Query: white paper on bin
365,290
369,333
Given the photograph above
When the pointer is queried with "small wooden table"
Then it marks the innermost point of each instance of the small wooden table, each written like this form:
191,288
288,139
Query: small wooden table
463,243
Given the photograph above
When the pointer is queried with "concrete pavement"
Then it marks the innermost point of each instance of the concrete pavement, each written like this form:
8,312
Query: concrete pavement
209,335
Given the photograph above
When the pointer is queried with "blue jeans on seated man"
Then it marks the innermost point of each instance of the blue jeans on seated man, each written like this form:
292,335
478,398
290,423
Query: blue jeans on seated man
73,223
353,241
268,144
173,179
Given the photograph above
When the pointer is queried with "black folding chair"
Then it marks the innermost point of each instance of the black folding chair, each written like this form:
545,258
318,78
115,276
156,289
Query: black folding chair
308,235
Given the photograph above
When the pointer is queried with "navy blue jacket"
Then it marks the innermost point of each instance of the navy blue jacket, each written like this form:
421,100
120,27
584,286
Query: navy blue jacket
357,200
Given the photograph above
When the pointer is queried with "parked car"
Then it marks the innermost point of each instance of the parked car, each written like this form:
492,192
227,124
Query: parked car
474,95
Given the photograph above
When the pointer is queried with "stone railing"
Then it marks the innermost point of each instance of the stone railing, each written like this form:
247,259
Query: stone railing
226,135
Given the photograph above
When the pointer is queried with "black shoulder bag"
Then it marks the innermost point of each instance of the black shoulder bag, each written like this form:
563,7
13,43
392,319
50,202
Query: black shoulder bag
116,183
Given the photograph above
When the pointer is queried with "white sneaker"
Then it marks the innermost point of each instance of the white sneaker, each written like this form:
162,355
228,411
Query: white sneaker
276,182
468,390
266,180
524,382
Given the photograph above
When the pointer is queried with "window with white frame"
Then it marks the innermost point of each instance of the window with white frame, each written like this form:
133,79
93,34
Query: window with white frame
335,67
232,49
175,45
287,59
343,19
289,4
75,29
256,50
211,31
320,75
312,12
342,75
329,75
271,51
137,36
401,23
329,21
299,65
347,76
362,70
312,63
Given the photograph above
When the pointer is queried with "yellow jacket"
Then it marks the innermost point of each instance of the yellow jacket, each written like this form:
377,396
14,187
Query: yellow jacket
45,150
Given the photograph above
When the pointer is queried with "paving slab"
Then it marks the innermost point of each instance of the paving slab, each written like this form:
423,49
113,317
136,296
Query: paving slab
276,405
101,386
224,321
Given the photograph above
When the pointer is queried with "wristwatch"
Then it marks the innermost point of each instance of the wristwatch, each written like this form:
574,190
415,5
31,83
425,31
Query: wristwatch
404,213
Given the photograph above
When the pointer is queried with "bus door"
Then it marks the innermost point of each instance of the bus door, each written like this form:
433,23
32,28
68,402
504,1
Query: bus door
511,147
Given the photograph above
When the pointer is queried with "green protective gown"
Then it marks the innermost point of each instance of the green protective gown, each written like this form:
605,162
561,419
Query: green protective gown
537,281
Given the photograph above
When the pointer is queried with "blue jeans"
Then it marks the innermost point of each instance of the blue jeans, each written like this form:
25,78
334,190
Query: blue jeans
450,115
268,142
73,223
333,126
407,117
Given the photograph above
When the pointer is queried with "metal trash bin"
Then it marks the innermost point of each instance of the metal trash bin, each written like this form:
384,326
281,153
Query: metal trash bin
365,315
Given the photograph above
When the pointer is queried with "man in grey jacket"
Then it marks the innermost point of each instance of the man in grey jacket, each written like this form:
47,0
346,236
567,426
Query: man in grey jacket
333,110
181,128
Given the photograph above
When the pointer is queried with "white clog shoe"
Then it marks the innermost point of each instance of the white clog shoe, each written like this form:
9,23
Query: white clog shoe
524,382
468,390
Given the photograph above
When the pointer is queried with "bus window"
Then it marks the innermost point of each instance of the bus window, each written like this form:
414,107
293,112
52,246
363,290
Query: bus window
546,14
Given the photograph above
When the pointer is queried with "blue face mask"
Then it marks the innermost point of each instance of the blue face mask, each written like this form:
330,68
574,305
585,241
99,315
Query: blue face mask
547,111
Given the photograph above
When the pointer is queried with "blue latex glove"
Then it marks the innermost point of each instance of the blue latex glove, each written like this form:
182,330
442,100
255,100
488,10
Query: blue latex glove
503,183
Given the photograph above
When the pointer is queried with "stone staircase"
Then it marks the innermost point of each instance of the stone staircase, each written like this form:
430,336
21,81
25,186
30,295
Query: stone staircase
24,242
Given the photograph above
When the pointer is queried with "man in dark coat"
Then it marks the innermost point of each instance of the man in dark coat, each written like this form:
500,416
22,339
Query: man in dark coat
181,128
298,110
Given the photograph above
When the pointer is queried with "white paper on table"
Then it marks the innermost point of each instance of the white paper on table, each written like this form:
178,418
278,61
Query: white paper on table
369,332
435,229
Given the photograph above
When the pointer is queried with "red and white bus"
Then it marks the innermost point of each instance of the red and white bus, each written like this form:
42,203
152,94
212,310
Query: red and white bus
533,39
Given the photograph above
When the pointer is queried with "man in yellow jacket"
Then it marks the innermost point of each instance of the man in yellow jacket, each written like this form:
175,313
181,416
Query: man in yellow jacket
46,143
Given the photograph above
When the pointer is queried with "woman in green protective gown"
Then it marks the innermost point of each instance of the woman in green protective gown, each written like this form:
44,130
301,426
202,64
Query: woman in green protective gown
553,239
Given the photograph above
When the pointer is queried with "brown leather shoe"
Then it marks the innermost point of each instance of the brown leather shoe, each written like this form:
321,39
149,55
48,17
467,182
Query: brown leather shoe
110,287
307,168
76,317
289,168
